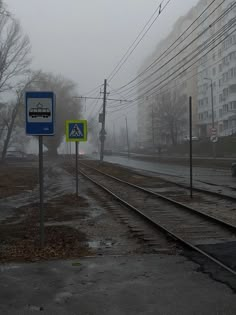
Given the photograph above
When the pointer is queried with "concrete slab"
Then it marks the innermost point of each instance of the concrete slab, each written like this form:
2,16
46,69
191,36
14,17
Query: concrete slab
133,284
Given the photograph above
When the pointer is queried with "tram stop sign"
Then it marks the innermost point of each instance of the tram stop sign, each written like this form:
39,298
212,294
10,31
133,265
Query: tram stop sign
76,130
39,108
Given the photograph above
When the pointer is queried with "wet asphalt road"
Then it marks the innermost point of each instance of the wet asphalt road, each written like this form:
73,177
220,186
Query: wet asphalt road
132,285
212,176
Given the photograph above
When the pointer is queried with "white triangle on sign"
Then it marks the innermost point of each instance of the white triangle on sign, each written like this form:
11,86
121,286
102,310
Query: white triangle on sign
76,132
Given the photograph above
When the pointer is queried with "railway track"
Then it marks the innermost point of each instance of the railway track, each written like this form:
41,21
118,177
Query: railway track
213,203
197,189
198,182
208,235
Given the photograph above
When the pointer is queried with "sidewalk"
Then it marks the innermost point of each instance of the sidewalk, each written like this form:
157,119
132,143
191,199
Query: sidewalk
132,285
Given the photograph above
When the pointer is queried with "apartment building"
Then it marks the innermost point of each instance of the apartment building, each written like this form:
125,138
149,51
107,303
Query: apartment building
203,66
152,131
216,78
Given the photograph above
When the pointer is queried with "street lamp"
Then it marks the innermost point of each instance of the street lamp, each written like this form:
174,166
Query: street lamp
212,105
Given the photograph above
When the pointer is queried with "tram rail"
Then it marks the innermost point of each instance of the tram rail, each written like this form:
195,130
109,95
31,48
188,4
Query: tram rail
193,228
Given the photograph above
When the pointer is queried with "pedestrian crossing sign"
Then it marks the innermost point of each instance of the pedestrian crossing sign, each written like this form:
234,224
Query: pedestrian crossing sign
76,130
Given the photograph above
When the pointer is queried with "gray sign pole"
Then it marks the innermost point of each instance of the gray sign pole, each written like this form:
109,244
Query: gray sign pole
190,147
41,191
76,168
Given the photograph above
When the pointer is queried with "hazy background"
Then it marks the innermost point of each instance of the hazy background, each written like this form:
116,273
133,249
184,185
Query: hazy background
84,39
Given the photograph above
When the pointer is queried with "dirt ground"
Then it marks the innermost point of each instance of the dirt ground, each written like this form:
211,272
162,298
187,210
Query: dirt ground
74,226
19,234
15,179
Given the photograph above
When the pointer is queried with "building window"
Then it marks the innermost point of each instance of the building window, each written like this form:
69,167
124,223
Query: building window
232,88
214,71
225,108
225,93
233,105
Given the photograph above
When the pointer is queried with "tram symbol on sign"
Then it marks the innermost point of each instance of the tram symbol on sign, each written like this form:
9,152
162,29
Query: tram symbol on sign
76,132
39,111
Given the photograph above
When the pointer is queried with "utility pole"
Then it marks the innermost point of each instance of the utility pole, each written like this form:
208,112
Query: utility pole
103,132
153,139
212,102
127,135
190,147
114,137
212,106
212,116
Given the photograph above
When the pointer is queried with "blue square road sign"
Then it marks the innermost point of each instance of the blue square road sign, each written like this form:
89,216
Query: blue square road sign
40,107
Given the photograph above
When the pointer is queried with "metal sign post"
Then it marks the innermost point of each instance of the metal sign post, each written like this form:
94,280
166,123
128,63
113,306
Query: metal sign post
76,168
41,191
39,110
76,131
190,147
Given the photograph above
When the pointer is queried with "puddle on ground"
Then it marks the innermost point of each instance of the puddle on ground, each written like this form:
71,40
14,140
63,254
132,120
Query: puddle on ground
95,212
8,267
101,243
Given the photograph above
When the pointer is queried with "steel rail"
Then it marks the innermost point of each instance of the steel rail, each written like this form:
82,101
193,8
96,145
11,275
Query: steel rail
213,193
210,192
161,227
171,201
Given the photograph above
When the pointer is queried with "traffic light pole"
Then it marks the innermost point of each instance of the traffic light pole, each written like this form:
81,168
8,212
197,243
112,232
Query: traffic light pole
103,132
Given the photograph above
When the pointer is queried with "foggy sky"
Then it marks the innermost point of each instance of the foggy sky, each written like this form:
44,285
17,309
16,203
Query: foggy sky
84,39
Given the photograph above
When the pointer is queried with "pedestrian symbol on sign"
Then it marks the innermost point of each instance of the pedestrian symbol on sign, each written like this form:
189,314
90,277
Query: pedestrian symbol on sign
76,132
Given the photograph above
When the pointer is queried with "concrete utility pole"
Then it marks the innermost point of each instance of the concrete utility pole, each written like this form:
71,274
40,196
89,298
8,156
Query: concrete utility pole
212,102
127,136
103,132
114,137
153,137
212,114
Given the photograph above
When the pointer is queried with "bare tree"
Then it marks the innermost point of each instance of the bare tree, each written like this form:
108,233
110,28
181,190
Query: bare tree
14,52
171,110
12,115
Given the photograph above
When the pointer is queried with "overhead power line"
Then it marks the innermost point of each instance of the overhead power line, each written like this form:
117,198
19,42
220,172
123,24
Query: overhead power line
139,38
167,52
196,51
93,90
182,72
180,65
187,46
160,91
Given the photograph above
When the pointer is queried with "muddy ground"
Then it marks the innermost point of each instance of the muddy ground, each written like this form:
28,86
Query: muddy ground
92,261
15,179
74,226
